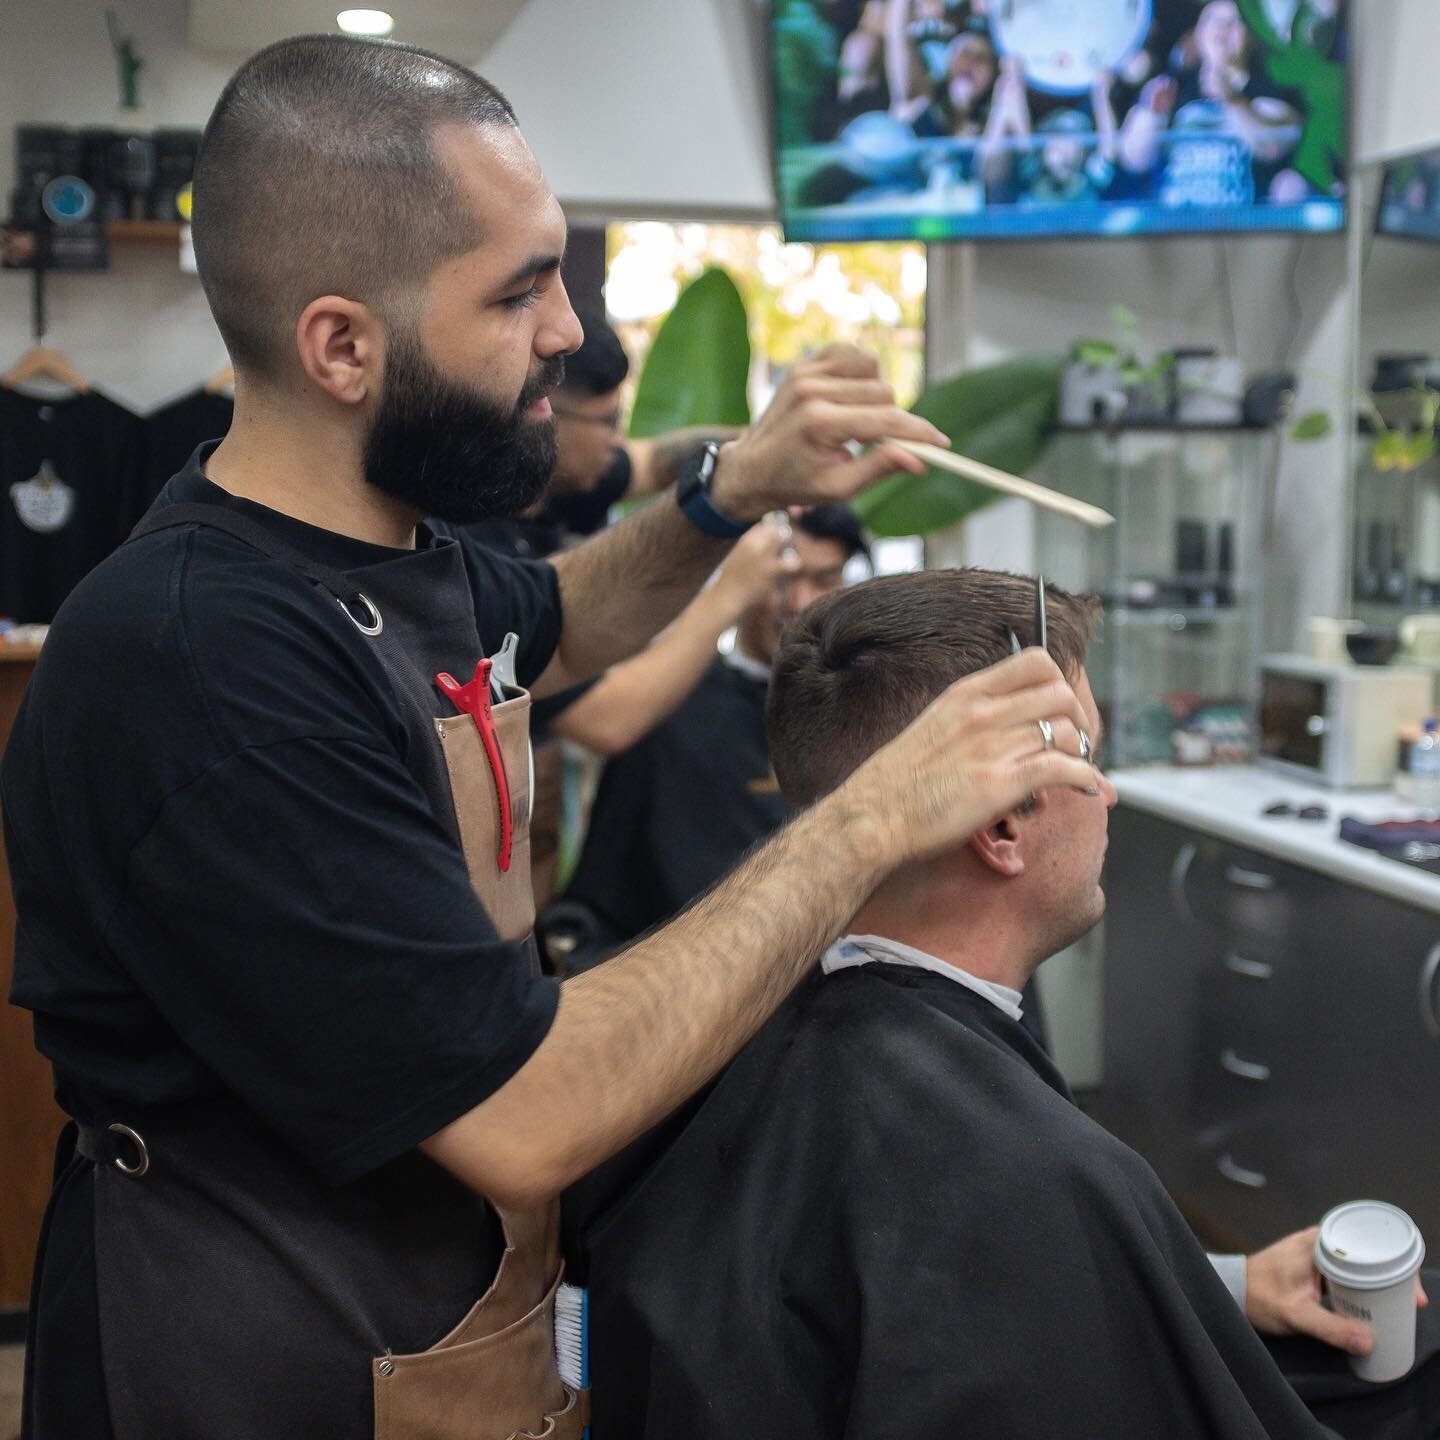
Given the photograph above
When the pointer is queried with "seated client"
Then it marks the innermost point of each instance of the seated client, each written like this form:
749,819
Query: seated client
887,1217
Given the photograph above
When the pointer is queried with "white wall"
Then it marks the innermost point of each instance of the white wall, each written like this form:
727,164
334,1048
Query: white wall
646,107
140,331
1397,100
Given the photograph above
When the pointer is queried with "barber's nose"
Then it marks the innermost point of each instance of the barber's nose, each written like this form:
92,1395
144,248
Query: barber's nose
562,333
1108,793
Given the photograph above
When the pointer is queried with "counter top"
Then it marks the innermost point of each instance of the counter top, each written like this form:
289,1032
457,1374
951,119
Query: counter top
1227,800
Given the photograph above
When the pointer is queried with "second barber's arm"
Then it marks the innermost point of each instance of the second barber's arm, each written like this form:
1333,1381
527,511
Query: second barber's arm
629,582
631,698
635,1037
655,462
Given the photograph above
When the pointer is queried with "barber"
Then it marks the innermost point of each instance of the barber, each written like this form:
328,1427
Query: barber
265,806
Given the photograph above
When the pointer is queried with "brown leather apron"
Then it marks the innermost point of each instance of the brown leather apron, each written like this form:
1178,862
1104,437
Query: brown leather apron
494,1376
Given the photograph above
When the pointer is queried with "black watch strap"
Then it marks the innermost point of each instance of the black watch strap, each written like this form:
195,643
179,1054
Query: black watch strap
692,494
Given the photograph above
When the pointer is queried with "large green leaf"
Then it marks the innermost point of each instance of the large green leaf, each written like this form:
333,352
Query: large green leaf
698,367
999,414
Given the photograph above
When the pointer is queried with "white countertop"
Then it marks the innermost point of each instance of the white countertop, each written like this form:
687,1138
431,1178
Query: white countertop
1227,801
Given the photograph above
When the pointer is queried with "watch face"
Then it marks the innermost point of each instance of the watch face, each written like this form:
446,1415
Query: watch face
1064,45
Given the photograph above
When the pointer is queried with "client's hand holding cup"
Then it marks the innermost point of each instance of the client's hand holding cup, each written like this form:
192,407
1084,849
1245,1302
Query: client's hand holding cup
1370,1254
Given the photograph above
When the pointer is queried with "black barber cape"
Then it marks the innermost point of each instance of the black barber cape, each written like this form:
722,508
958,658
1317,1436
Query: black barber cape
887,1219
676,811
246,928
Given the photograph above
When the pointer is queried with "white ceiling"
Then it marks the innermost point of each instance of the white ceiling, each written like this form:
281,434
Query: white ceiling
462,30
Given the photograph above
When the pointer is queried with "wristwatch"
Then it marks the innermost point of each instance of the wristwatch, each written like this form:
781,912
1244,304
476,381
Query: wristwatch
692,494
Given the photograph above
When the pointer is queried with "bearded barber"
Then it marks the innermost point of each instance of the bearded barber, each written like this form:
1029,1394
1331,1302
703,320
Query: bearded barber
264,807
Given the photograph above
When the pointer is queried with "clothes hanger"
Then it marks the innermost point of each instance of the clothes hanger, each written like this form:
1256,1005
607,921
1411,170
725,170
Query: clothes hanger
42,362
223,383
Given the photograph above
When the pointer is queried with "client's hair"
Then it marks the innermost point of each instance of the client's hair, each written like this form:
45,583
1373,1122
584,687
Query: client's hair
858,666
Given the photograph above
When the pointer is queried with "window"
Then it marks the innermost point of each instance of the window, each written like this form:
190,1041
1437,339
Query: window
799,297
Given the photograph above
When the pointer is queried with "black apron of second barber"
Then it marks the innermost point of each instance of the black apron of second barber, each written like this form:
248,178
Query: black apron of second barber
272,965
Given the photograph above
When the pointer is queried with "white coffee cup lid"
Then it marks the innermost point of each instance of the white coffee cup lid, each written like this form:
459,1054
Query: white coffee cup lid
1367,1245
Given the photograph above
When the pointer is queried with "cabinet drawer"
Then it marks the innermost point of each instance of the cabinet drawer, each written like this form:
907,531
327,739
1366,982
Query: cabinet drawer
1244,896
1246,1182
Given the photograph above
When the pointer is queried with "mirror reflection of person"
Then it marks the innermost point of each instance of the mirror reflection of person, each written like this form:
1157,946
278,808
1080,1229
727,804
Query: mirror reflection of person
679,807
1220,65
895,1220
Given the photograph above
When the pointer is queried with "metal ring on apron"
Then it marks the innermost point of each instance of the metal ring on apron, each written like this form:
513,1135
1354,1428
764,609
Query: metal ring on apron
372,629
137,1170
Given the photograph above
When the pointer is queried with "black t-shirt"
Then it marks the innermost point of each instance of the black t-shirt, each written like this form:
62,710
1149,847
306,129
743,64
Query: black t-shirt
219,843
676,811
234,891
73,475
173,432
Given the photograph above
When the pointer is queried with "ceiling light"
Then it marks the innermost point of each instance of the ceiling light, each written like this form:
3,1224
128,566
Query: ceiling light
365,22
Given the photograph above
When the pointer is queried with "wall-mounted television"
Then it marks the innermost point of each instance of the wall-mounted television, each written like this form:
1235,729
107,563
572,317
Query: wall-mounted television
1410,200
973,119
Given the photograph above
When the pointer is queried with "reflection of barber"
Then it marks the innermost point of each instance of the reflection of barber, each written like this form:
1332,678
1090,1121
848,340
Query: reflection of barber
1228,77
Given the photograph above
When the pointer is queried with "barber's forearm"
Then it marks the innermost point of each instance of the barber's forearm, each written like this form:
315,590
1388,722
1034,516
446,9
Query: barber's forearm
631,698
623,587
637,1036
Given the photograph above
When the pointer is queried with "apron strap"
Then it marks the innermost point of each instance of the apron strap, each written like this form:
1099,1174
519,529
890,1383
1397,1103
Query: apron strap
253,533
114,1145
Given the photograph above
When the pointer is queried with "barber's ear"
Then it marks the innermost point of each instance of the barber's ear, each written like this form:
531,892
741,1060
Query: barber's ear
1001,846
341,346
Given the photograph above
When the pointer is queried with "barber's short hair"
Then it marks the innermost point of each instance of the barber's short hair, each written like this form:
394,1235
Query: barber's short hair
859,665
317,176
838,522
600,365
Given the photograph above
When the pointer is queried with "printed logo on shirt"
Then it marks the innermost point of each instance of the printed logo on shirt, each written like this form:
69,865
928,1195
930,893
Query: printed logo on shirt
44,502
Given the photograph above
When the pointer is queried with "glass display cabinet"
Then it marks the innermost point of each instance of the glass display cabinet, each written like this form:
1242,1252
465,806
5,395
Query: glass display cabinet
1396,567
1174,665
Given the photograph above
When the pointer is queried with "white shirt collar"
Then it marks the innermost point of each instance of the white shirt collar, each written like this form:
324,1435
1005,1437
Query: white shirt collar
854,950
737,659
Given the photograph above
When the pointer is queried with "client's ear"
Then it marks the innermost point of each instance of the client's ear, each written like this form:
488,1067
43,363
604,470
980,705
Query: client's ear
1000,846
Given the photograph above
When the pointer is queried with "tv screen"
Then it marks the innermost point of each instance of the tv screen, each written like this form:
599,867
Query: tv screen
973,119
1410,201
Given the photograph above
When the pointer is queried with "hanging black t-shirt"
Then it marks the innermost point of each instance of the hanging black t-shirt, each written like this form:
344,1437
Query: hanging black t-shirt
73,475
676,811
236,899
175,431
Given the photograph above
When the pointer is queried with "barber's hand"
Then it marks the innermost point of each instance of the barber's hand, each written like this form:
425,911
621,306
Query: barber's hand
796,454
762,557
975,754
1282,1296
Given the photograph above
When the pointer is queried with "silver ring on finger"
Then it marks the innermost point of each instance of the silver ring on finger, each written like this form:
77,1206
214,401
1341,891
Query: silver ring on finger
1084,746
1047,733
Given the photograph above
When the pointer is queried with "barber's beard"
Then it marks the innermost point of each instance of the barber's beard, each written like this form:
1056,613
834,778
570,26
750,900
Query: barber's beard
453,452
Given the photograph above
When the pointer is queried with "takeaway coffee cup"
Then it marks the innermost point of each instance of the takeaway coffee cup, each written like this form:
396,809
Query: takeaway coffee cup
1369,1253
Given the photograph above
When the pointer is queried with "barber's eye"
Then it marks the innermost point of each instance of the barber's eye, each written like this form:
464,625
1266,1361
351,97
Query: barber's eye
524,300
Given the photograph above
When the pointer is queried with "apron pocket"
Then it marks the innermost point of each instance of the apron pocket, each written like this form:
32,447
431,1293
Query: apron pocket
494,1387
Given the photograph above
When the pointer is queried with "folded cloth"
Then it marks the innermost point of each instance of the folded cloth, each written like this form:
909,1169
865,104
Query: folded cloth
1389,834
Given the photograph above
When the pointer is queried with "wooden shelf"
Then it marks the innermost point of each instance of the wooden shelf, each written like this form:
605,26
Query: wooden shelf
144,231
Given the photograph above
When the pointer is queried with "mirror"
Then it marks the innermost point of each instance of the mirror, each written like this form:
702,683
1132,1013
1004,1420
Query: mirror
1396,508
